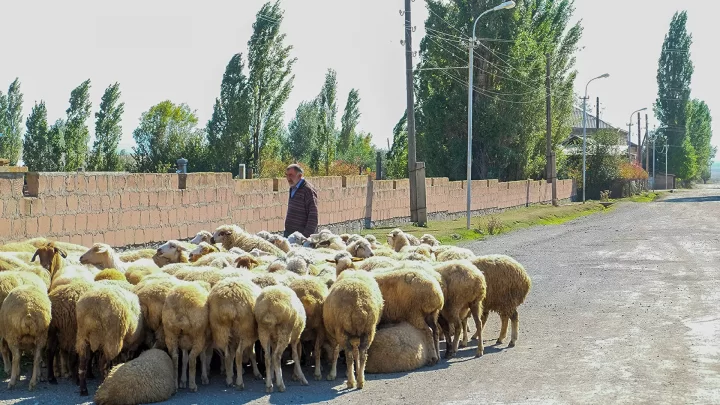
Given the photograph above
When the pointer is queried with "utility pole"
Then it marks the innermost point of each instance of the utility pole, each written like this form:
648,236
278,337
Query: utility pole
550,163
410,112
666,155
653,171
647,142
639,150
597,114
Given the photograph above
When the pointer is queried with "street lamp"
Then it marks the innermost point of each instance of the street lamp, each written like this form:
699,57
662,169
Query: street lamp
629,129
606,75
503,6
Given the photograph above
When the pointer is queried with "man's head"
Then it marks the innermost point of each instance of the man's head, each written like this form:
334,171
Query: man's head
293,174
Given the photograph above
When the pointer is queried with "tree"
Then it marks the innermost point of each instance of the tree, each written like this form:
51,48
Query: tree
228,130
674,75
699,131
77,134
108,131
270,78
35,145
166,133
303,137
397,158
687,157
54,161
11,123
349,120
328,111
508,140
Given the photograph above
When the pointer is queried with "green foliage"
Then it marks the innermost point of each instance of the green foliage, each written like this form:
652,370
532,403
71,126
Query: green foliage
303,138
55,147
699,131
108,132
508,98
397,156
603,162
360,152
36,150
674,75
327,103
229,128
349,120
166,133
271,78
688,168
11,123
77,134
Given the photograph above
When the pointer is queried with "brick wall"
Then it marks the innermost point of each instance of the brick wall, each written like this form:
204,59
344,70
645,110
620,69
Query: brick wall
123,208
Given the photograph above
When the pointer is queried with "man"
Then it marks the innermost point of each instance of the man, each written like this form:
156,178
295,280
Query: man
302,212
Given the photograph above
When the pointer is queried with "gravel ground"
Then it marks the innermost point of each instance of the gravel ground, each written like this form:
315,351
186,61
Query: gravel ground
624,309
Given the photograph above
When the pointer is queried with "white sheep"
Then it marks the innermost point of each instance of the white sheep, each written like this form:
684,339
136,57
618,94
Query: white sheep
281,319
202,236
24,321
234,236
146,379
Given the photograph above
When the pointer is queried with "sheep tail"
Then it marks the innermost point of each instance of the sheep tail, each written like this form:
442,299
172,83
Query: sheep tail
27,324
269,319
355,344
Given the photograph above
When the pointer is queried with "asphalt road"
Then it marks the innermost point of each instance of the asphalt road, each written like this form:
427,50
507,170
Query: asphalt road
624,309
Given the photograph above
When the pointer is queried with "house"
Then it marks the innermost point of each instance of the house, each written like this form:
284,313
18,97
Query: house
573,144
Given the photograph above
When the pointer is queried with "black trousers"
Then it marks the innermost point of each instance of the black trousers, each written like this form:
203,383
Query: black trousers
286,234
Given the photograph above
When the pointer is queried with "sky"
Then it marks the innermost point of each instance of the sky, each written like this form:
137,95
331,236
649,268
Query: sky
177,50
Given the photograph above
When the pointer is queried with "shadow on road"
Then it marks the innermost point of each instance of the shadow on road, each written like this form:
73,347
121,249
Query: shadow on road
710,198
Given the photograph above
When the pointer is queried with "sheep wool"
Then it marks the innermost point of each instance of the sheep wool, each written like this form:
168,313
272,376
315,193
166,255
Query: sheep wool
146,379
399,348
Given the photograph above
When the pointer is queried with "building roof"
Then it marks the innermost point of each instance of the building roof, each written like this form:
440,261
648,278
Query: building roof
577,121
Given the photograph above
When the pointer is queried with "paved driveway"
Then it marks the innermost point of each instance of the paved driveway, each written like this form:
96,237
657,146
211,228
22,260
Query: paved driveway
625,308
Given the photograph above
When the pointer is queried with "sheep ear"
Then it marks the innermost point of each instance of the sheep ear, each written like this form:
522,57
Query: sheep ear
356,259
183,248
62,252
35,255
331,261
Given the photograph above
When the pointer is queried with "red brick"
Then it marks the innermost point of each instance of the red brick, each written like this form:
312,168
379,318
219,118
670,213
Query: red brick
84,203
92,222
95,203
129,236
167,233
139,236
69,223
31,226
145,218
58,184
81,184
89,239
72,203
102,184
56,224
91,185
135,219
103,220
76,239
80,222
153,199
44,225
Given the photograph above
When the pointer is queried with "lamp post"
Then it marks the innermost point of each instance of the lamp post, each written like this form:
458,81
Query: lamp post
630,126
503,6
604,76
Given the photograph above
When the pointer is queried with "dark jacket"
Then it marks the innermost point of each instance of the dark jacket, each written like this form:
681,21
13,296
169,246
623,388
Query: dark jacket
302,212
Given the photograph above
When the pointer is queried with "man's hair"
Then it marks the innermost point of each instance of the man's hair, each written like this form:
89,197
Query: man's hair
296,167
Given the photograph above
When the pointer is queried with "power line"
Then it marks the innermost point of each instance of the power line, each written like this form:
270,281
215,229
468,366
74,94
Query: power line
448,23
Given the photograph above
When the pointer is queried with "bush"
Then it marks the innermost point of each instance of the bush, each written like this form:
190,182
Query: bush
632,171
270,168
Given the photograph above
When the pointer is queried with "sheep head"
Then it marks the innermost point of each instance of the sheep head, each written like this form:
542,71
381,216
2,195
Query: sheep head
264,234
202,236
343,261
360,248
277,265
97,255
49,257
429,240
397,239
173,251
279,241
202,249
345,237
297,264
224,235
247,261
296,238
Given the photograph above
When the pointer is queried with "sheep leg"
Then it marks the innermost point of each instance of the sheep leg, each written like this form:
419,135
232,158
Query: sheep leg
242,347
205,358
193,367
483,318
515,319
229,357
350,363
39,348
431,322
277,353
475,309
464,341
457,329
298,373
256,371
317,352
52,352
268,367
184,375
73,366
83,361
361,369
445,325
5,355
503,328
65,367
333,363
15,350
174,353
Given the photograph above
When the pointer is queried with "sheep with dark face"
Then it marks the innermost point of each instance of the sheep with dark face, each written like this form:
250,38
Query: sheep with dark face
233,236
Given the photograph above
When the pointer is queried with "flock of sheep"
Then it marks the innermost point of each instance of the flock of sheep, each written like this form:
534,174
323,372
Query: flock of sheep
246,298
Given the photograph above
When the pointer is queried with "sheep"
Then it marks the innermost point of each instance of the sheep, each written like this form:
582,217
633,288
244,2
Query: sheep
24,321
173,251
351,313
296,238
102,256
151,295
50,257
465,288
412,293
297,265
33,244
234,236
455,253
429,240
146,379
247,261
109,274
231,304
420,252
360,248
62,332
186,328
376,262
280,316
343,261
13,260
71,273
202,249
202,236
312,292
398,239
507,287
281,242
399,348
134,255
108,318
373,241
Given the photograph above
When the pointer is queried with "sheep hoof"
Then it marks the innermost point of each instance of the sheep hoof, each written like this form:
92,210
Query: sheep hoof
31,386
350,385
281,388
330,377
258,376
193,388
318,377
204,380
83,392
183,384
295,377
478,354
240,387
449,355
511,344
269,390
53,381
360,384
463,344
499,342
